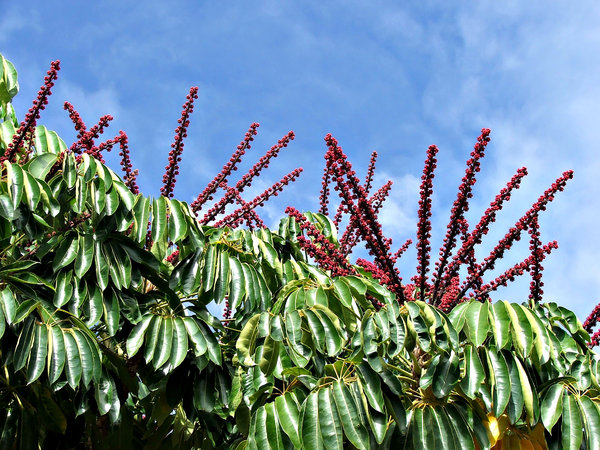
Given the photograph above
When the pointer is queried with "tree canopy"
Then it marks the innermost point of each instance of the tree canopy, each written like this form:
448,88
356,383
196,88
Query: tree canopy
106,339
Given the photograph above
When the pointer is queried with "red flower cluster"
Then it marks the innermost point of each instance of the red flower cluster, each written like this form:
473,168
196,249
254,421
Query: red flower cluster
220,179
445,289
320,248
424,225
247,179
26,130
172,168
130,174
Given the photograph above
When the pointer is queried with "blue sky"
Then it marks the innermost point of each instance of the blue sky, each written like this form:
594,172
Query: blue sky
388,76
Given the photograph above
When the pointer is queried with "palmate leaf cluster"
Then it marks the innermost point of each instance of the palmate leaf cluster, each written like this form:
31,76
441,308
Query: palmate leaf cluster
106,340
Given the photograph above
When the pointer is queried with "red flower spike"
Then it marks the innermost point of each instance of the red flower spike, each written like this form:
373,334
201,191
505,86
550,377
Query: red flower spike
246,180
592,319
26,128
424,224
514,234
461,205
230,166
172,168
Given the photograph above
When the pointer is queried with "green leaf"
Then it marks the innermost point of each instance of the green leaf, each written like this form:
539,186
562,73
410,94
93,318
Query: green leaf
501,325
64,289
461,428
56,354
15,178
98,194
502,386
474,373
180,343
39,166
104,394
111,310
196,336
66,252
159,218
269,357
371,385
446,375
209,271
347,410
101,264
331,328
178,227
516,403
8,305
32,191
318,332
310,430
522,335
24,310
141,214
237,290
86,355
153,335
73,360
39,352
85,255
164,343
274,437
572,423
592,421
552,405
136,337
24,343
246,343
329,421
477,322
222,281
214,348
288,413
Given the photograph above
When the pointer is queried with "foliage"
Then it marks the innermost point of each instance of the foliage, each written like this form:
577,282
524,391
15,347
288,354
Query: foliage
106,339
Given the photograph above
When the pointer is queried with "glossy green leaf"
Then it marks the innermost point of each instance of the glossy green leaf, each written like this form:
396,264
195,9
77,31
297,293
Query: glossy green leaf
66,252
329,421
270,356
521,333
180,343
477,322
64,288
15,177
32,191
178,227
39,352
164,343
196,336
446,376
141,214
211,265
24,343
73,359
591,417
552,405
222,281
152,336
310,431
136,337
159,218
214,348
111,311
8,305
354,429
24,310
237,290
502,387
288,413
56,354
572,423
501,324
86,355
517,401
474,373
104,394
101,264
460,427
